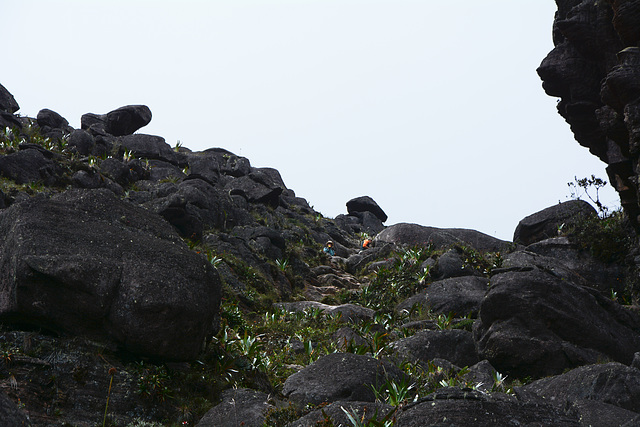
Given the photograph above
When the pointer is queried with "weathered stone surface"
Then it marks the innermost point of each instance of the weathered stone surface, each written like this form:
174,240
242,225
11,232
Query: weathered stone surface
81,141
30,166
459,296
239,407
10,414
454,407
544,224
339,376
149,147
414,234
602,276
98,283
533,322
455,346
366,204
451,264
611,383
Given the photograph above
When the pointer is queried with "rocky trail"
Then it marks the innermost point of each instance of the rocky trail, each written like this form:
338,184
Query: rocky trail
146,285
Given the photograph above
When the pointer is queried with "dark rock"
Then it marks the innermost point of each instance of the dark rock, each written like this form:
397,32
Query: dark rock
126,120
335,413
93,123
239,407
451,264
346,336
10,414
533,322
597,414
339,376
455,346
149,147
51,119
594,69
98,283
482,375
228,163
611,383
358,261
545,224
454,407
366,204
30,166
8,120
459,296
254,190
193,205
439,238
602,276
81,141
7,101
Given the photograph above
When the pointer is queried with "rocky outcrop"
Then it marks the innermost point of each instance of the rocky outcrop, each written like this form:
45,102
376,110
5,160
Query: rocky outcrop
594,70
239,407
79,262
548,222
414,234
339,376
535,322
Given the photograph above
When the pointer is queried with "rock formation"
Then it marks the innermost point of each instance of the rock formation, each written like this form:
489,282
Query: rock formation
143,284
594,69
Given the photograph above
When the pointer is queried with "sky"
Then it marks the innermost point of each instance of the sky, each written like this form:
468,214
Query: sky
432,108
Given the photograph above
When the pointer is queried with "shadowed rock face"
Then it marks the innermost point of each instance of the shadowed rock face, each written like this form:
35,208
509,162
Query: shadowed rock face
595,71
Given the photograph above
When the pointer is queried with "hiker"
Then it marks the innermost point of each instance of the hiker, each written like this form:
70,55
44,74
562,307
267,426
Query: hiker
366,244
328,249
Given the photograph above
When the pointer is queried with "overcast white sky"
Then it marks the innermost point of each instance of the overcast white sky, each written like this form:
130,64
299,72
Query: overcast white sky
432,108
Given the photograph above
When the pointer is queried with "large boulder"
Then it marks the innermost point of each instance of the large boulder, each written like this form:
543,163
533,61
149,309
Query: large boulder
535,322
149,147
85,262
339,376
365,204
610,383
605,277
459,296
544,224
50,119
239,407
455,346
439,238
128,119
30,166
455,407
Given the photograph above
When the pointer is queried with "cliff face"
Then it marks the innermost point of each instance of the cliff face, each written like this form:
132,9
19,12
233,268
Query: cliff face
595,71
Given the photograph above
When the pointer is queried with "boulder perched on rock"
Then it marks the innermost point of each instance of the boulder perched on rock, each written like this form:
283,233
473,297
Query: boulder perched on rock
339,376
535,322
439,238
366,204
88,263
128,119
545,224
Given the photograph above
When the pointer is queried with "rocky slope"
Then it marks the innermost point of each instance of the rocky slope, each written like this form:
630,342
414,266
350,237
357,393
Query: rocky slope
144,285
